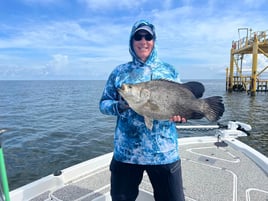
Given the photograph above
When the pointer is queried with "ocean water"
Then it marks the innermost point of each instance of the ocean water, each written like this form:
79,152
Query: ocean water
51,125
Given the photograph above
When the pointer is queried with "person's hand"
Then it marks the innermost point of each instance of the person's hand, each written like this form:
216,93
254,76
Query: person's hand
122,105
178,119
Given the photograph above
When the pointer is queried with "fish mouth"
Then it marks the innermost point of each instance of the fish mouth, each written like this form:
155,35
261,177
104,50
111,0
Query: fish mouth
120,91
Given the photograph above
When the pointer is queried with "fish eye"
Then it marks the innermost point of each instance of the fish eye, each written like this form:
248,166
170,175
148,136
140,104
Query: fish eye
130,87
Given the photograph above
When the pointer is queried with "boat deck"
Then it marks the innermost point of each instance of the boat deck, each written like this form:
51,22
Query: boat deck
212,171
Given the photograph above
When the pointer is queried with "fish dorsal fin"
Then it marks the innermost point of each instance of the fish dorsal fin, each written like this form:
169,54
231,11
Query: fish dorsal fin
196,88
165,80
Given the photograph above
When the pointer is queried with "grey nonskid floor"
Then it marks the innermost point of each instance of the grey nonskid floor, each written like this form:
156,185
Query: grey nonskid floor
210,173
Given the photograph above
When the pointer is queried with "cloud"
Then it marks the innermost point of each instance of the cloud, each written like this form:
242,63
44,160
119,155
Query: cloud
62,34
59,62
111,4
201,37
42,2
191,35
254,4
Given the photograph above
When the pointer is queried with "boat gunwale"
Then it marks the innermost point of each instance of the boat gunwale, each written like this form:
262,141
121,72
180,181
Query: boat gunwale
51,183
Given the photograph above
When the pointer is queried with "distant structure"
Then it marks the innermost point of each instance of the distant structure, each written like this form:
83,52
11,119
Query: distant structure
253,43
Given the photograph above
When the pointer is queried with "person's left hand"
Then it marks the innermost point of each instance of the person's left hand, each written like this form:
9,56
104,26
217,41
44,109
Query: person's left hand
122,105
178,119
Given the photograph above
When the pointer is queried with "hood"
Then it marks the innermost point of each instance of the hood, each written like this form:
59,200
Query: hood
153,56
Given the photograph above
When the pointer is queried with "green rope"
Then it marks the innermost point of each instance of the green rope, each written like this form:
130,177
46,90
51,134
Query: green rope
4,175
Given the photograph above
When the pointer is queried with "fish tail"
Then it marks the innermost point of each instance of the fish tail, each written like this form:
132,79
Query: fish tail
213,108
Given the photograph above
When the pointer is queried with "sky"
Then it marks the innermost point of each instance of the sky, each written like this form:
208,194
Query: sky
87,39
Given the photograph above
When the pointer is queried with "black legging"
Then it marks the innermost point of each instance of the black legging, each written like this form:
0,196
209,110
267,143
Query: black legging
166,181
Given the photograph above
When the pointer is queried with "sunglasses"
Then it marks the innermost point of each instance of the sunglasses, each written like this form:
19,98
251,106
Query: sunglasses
138,37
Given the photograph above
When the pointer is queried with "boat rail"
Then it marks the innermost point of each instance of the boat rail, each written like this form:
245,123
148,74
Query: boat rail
248,40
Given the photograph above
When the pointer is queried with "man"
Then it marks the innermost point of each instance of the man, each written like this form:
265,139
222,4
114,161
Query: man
136,148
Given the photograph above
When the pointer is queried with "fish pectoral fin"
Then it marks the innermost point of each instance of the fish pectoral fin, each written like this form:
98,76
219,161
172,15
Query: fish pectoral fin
152,105
148,122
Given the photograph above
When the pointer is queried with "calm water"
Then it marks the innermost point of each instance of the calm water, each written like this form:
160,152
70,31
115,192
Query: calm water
52,125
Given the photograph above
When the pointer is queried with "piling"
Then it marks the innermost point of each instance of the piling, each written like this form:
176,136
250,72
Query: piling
254,43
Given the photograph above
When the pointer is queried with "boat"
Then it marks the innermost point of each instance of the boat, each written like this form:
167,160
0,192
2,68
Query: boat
214,168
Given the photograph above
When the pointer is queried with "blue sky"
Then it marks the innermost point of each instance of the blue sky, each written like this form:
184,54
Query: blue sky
87,39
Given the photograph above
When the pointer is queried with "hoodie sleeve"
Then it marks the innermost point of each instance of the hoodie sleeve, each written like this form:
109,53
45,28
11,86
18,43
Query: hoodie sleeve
109,101
175,76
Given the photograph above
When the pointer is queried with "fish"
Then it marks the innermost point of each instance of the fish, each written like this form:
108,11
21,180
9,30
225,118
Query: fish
162,99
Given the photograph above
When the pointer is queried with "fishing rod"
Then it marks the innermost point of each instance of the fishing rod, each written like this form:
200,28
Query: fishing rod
4,181
231,126
197,127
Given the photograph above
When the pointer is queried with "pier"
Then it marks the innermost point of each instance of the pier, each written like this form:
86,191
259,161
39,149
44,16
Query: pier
239,78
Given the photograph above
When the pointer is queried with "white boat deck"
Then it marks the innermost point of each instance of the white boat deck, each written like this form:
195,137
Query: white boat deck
210,173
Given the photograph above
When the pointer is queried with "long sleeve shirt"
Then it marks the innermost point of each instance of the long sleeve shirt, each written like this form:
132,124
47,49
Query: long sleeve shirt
133,142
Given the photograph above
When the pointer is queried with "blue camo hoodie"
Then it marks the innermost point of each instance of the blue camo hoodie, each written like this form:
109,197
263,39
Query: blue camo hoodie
133,142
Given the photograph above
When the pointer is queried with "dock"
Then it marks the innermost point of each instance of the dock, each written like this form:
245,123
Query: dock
239,78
